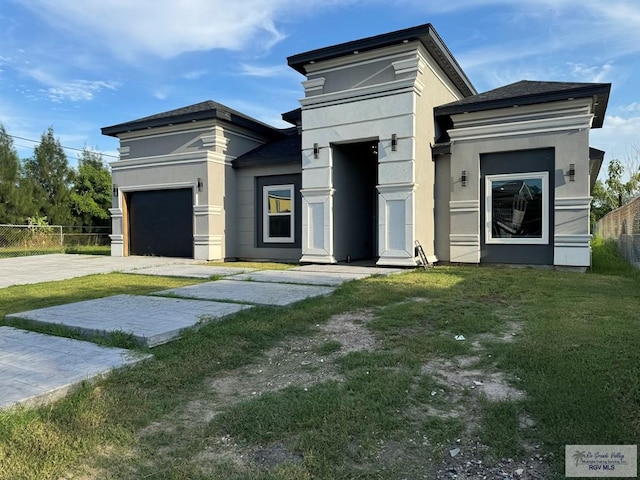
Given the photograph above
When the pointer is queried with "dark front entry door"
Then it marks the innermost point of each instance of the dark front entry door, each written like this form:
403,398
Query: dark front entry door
161,223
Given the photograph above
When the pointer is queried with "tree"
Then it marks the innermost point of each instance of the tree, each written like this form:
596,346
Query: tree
623,190
49,178
621,186
13,205
91,195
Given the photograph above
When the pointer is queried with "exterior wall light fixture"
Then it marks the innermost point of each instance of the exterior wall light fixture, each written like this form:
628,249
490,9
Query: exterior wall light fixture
572,172
316,150
394,142
114,190
463,178
200,184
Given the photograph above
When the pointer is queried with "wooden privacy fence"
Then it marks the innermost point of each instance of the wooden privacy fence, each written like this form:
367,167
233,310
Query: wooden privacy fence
623,226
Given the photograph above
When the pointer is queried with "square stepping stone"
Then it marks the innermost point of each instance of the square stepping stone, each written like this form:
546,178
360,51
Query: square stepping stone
190,271
36,368
300,277
250,292
151,320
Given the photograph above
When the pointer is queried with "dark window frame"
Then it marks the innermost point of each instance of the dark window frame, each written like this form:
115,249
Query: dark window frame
276,181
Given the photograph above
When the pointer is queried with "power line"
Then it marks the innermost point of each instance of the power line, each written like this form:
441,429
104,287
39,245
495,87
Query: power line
66,148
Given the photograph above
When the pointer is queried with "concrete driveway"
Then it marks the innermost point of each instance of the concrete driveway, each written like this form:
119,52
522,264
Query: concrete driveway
47,268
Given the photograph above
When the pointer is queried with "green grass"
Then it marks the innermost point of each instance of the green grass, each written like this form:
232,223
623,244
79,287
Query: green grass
8,252
576,358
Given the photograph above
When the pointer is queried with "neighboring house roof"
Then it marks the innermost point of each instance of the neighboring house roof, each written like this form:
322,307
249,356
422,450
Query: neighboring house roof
200,111
284,150
426,34
528,92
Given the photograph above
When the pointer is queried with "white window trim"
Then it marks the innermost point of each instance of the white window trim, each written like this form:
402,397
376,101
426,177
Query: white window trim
489,179
265,214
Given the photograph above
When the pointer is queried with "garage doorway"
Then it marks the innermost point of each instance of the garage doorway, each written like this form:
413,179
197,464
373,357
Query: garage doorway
160,222
355,206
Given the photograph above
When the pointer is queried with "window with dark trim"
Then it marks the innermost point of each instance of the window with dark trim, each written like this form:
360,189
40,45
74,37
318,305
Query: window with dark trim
517,208
278,221
278,212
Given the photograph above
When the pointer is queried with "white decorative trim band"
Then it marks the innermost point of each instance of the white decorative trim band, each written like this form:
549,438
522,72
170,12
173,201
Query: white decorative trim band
409,65
397,187
156,186
527,127
317,191
383,89
576,240
572,203
463,206
159,160
116,212
124,151
116,238
205,210
314,86
468,239
211,240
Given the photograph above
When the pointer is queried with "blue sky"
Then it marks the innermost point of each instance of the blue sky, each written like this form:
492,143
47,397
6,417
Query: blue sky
79,65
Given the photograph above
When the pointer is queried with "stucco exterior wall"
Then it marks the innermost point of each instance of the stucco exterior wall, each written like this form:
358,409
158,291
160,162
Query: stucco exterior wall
438,90
178,157
379,94
563,126
245,246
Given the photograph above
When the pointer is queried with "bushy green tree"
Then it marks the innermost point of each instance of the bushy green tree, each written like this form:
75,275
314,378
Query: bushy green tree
49,178
621,186
13,204
91,195
623,189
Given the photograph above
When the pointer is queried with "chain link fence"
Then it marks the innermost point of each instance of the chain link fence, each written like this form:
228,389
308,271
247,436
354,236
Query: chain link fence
623,226
22,240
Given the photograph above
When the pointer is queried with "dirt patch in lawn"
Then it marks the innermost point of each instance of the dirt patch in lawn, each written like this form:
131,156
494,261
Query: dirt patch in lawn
297,362
459,386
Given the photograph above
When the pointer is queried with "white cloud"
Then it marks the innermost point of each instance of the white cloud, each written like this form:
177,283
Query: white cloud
632,107
269,71
194,74
595,73
166,29
78,90
616,135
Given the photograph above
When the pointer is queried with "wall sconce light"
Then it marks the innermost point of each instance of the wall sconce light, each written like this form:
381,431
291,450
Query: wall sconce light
572,172
200,185
114,190
394,142
316,150
463,178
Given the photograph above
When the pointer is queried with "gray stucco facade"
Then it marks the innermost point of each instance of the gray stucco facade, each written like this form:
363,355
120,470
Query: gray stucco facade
392,145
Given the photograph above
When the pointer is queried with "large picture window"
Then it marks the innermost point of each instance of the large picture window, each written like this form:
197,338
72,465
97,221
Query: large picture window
278,214
517,208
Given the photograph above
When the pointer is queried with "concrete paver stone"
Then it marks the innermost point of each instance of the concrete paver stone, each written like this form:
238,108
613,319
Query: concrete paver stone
36,368
190,271
249,292
300,277
151,320
348,268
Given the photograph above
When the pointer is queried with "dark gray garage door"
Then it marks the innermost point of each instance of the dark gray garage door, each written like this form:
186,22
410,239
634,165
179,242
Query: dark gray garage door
161,223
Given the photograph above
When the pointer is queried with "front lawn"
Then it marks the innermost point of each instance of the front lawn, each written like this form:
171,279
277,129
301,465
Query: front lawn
368,383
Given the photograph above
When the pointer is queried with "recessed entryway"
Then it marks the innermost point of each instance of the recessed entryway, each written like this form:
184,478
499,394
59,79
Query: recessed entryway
355,177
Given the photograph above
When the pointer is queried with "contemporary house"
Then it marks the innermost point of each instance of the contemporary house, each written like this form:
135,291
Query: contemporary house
392,145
